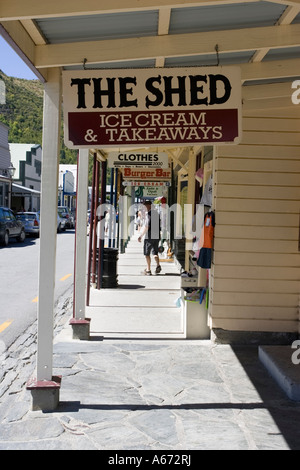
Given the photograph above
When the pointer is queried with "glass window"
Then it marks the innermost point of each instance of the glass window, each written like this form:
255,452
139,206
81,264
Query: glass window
6,214
1,194
21,216
12,215
6,194
26,216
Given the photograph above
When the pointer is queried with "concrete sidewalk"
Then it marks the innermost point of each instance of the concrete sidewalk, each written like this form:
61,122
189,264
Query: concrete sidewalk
127,391
141,306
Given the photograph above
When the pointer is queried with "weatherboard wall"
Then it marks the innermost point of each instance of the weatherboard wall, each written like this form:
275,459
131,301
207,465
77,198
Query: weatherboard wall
256,264
4,148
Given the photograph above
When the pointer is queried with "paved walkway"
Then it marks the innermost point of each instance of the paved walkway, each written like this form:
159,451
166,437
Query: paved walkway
133,393
142,306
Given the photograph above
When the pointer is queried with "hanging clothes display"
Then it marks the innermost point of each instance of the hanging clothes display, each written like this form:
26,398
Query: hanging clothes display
206,199
204,260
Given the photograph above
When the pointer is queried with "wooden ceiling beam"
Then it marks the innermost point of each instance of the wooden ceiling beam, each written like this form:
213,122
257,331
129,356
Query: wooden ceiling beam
34,9
175,45
22,43
287,17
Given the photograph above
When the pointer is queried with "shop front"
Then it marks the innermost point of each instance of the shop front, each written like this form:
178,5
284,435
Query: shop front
5,191
7,170
230,131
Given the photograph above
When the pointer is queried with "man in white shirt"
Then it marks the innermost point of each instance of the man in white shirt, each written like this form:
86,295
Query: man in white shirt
151,230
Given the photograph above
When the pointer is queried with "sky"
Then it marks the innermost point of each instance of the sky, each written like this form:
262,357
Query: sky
11,64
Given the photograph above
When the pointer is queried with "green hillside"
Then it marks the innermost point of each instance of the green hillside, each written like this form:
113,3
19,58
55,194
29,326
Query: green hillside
22,112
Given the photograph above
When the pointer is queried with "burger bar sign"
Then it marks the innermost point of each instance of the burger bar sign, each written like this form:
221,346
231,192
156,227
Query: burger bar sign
161,106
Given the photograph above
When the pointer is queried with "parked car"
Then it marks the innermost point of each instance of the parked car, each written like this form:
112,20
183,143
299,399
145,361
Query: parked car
65,213
10,227
61,224
31,222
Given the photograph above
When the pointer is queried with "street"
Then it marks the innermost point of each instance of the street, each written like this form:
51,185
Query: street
19,282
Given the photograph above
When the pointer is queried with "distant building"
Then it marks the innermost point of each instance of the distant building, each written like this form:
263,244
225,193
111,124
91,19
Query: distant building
26,188
67,186
6,168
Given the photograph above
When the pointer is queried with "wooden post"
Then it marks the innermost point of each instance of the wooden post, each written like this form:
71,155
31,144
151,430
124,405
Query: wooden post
80,324
45,389
91,231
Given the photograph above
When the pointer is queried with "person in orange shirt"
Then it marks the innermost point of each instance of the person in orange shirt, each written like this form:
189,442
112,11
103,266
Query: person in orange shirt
204,259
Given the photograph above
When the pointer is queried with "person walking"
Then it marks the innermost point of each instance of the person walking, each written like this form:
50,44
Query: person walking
151,231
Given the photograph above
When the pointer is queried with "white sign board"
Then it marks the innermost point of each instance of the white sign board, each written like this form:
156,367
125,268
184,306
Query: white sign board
152,107
147,183
152,191
137,160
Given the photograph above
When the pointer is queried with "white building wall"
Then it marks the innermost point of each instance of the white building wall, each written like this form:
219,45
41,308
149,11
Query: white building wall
28,166
27,159
4,147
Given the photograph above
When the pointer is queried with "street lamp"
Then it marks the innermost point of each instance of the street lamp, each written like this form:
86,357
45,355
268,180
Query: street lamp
11,170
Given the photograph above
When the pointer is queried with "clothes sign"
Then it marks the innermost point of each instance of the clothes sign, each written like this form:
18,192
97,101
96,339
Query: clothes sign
137,160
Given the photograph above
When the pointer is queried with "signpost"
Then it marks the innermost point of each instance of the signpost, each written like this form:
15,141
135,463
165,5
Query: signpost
152,107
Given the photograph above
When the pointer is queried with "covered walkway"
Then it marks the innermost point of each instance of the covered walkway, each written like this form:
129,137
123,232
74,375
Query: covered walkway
119,72
141,306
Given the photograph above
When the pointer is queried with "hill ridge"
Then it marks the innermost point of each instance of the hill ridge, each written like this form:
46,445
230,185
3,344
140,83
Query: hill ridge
22,112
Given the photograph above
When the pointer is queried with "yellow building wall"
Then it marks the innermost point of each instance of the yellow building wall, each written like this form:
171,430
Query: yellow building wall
256,261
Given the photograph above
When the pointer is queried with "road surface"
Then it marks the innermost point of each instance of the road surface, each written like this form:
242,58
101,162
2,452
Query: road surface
19,282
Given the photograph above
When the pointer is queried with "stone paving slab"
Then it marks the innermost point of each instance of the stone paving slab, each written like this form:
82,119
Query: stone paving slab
156,395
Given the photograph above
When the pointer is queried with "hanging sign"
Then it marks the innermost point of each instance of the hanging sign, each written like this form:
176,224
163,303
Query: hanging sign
152,107
158,174
137,160
147,183
149,192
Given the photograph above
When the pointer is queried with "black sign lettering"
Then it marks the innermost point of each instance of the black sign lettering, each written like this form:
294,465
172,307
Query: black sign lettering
109,92
213,80
156,92
124,91
81,82
196,89
170,91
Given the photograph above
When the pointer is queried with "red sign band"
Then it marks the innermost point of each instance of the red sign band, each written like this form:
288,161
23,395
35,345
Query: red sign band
106,129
